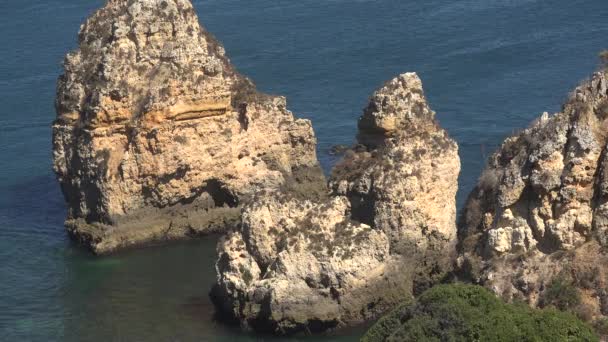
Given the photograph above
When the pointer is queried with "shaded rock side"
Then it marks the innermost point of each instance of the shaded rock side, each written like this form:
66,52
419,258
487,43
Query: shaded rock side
540,209
158,137
308,266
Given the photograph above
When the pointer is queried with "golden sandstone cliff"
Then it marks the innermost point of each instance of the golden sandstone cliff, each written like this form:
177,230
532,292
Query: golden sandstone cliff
386,230
536,226
158,137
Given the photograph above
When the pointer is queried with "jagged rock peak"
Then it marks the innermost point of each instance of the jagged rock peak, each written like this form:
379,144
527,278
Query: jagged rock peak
144,60
406,176
393,110
540,209
543,187
387,230
157,137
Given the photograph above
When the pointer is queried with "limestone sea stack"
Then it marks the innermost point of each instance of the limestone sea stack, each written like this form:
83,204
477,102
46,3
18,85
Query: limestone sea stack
536,226
387,227
158,137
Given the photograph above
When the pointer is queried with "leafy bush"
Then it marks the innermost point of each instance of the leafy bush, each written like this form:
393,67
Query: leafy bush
561,293
460,312
386,325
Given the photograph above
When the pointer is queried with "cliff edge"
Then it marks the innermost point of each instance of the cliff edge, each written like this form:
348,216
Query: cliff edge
158,137
386,231
536,226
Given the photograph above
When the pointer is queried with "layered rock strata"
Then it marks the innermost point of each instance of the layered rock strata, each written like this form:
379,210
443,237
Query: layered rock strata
539,214
387,227
158,137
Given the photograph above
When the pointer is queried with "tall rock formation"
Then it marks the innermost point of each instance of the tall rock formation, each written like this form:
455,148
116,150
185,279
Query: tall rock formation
403,180
538,217
158,137
387,228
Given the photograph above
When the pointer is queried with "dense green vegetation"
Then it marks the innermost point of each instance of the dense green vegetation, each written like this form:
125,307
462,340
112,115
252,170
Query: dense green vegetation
459,312
561,294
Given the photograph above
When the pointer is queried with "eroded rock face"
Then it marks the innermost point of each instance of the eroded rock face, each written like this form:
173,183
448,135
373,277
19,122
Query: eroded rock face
387,227
540,209
298,266
158,137
403,177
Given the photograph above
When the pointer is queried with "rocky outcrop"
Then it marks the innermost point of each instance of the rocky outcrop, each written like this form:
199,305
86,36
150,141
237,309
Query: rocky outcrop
403,177
539,213
158,137
386,229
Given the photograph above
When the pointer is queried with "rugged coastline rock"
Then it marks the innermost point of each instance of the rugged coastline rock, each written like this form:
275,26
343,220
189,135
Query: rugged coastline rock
158,137
538,217
387,228
402,178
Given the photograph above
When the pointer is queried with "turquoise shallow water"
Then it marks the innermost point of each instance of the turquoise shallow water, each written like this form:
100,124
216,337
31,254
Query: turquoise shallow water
489,67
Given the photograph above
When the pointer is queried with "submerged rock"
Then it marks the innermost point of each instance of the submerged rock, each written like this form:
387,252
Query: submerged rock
387,227
158,137
338,150
540,210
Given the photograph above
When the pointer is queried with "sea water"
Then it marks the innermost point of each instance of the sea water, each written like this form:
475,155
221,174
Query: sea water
489,67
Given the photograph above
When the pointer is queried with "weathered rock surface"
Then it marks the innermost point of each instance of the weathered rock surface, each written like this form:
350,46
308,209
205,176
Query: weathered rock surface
403,180
540,210
387,226
158,137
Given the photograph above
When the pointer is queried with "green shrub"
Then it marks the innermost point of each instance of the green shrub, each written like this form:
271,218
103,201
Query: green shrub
561,293
385,325
460,312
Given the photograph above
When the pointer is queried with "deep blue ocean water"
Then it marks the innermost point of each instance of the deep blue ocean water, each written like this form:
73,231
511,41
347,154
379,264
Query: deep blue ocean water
489,67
